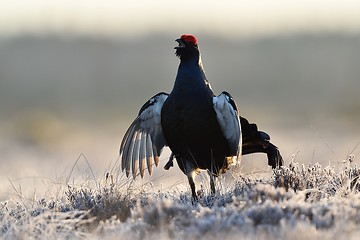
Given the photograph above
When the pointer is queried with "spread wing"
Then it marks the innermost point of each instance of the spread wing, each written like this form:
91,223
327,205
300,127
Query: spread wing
228,118
144,139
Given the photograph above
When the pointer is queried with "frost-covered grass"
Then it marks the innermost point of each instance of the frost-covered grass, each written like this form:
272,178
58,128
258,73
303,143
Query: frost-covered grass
294,202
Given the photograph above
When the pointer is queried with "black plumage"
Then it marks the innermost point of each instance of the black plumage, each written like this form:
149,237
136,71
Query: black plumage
203,131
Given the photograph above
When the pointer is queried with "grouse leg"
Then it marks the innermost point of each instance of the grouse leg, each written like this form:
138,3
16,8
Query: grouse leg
170,163
212,183
192,186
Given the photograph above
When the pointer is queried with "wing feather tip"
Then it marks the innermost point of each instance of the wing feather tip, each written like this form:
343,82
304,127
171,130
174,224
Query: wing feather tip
135,150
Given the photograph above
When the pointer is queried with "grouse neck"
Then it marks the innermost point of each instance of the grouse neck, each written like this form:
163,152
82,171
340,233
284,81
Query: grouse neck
194,62
191,75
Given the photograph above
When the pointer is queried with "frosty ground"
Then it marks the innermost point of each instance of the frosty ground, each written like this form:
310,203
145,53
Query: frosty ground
295,202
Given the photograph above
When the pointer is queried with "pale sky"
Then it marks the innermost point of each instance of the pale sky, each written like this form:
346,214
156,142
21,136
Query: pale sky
242,17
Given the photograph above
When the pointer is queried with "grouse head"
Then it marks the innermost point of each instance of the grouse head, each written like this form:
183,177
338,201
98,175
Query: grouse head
188,47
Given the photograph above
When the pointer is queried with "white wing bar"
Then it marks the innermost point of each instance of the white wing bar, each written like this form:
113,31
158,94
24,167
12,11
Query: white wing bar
144,139
228,118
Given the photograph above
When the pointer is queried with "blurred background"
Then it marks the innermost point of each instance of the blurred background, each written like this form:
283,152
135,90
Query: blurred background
74,74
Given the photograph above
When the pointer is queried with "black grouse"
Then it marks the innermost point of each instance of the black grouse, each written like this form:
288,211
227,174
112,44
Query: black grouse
203,131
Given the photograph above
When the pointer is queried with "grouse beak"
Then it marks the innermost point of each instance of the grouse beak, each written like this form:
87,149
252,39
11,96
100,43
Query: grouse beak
181,43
